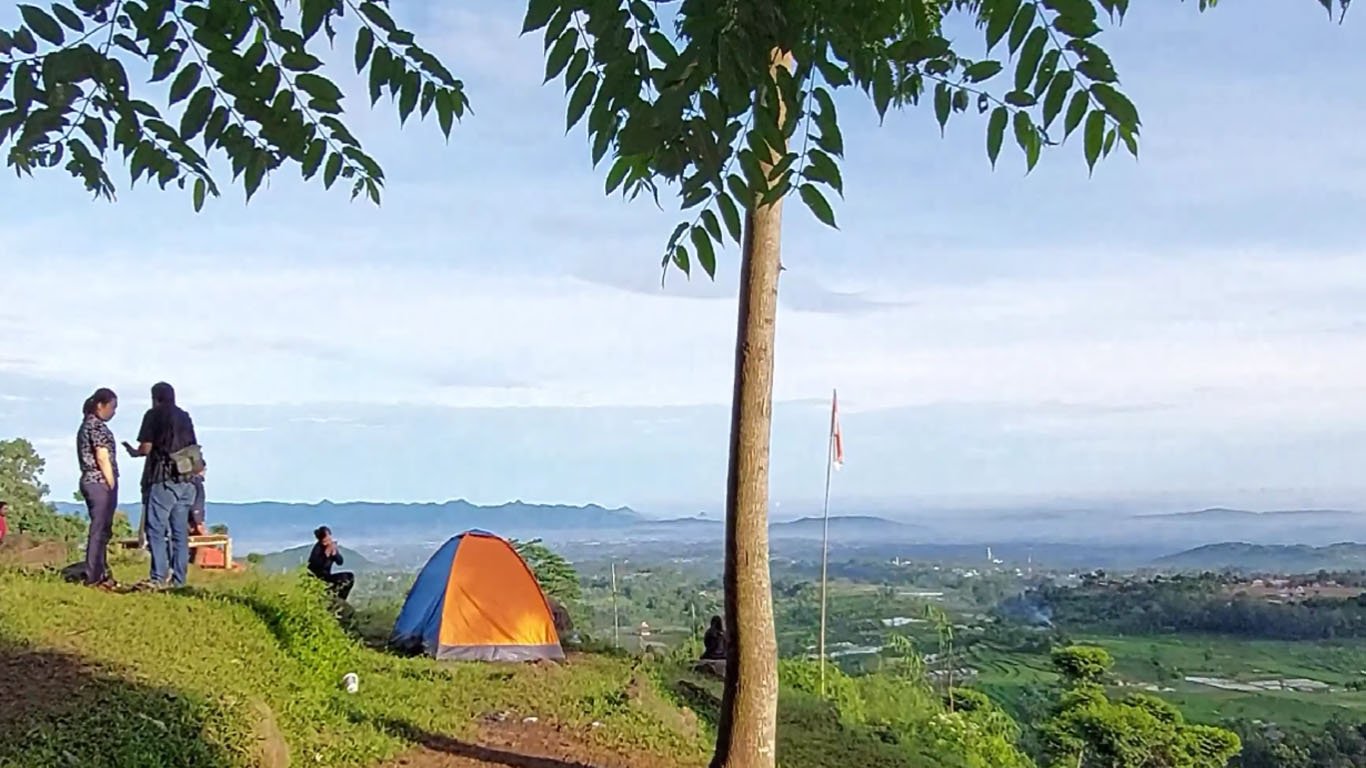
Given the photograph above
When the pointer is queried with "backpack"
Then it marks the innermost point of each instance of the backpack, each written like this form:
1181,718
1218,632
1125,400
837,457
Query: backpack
188,461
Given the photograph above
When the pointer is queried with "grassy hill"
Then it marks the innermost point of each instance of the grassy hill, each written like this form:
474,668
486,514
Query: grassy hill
244,671
240,670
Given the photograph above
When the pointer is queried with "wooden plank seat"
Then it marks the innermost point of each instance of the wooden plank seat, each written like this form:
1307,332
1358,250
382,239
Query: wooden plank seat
209,540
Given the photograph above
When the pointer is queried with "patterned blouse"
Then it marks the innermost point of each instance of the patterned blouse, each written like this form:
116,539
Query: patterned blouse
93,434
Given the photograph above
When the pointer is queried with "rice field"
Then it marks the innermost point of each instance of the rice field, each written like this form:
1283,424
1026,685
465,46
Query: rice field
1232,678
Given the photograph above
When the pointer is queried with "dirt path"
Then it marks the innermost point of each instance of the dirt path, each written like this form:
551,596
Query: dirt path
518,745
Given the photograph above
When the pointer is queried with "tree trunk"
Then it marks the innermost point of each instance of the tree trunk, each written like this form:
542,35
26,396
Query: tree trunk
747,733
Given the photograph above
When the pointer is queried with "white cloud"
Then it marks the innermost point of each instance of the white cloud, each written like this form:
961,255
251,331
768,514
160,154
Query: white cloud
1213,340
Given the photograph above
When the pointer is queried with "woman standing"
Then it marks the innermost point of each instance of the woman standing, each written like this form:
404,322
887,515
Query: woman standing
99,482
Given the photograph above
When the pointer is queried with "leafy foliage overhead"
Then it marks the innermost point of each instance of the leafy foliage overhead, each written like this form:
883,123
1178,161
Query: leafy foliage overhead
734,102
240,79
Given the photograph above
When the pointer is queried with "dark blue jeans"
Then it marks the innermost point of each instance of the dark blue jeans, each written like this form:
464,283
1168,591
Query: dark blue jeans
100,502
168,530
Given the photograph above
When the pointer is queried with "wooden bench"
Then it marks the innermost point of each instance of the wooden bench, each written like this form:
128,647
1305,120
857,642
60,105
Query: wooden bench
216,541
212,540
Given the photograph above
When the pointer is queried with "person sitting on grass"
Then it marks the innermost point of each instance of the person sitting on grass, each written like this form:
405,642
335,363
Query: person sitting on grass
713,661
325,554
714,641
4,524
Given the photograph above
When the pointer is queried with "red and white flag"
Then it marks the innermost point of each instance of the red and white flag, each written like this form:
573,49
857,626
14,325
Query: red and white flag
836,439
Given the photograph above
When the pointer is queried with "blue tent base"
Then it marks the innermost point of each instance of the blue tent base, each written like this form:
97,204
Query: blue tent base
500,653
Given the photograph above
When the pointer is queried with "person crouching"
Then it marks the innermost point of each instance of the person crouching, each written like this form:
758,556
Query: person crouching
325,554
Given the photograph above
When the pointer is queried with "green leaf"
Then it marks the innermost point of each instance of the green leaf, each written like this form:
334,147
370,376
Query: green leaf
318,87
558,58
943,102
982,70
313,158
706,256
1075,27
680,259
378,16
23,40
996,130
1029,58
298,61
538,13
1081,9
445,112
1002,14
1130,140
1095,137
185,83
43,25
819,206
1056,96
1117,104
196,113
1028,139
199,192
1047,69
617,174
739,189
408,95
1075,112
94,128
581,98
334,166
1098,70
365,43
730,214
68,17
578,64
1024,22
823,168
379,73
882,88
712,224
164,65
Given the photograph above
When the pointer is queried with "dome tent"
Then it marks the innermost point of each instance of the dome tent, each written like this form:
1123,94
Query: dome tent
476,600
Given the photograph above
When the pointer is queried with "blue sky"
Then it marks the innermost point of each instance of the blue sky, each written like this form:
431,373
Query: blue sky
1191,323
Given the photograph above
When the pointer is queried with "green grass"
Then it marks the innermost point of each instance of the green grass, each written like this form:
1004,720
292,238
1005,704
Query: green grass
1166,660
190,678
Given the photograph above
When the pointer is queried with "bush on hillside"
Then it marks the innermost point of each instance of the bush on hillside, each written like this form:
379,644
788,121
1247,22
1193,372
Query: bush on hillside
840,690
21,485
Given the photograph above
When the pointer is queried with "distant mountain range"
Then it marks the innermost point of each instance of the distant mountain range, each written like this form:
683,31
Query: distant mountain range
1272,558
1223,513
390,532
383,527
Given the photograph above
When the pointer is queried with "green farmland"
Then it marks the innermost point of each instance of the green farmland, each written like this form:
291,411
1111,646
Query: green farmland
1162,664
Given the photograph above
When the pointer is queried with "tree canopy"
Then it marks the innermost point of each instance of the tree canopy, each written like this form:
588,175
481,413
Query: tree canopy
22,487
242,81
1089,730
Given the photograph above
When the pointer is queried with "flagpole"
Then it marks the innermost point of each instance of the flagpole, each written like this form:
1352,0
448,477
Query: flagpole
825,530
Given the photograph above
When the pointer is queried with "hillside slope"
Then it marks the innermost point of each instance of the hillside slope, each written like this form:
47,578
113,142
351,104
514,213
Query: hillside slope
246,671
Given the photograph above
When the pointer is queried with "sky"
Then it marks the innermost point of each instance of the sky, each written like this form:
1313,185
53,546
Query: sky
1191,323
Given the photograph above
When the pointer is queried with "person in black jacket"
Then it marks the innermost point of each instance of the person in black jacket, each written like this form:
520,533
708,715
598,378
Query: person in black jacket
714,641
320,561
